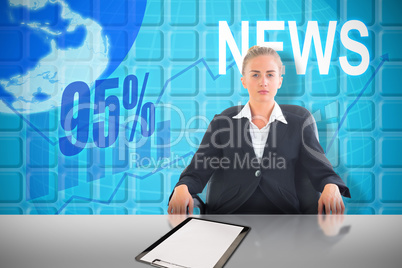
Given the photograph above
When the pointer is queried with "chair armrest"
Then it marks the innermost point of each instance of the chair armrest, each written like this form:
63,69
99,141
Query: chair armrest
307,195
198,203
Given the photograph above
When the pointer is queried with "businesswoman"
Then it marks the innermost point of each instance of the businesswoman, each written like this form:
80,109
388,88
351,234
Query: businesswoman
253,154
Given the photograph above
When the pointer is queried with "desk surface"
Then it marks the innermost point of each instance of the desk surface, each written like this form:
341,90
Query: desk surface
274,241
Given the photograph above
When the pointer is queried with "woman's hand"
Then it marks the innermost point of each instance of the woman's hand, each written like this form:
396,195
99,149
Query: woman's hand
180,200
332,200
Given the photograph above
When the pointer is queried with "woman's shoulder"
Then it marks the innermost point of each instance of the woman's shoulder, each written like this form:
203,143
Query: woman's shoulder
231,111
287,109
294,111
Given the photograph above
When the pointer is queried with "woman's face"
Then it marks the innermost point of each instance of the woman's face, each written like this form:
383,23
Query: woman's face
262,78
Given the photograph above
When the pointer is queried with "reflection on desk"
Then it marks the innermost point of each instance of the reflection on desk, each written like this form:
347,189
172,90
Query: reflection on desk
311,241
274,241
285,239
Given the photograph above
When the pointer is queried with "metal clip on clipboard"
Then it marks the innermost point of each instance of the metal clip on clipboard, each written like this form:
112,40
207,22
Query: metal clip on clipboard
158,263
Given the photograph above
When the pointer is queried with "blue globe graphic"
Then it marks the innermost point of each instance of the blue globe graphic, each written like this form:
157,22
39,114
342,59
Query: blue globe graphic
47,44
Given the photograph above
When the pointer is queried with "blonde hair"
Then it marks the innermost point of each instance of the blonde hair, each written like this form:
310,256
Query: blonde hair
256,51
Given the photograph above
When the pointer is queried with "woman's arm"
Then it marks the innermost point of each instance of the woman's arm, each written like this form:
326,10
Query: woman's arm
196,175
320,171
181,199
331,199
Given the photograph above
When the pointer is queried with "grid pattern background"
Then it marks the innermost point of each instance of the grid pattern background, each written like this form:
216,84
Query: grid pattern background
174,37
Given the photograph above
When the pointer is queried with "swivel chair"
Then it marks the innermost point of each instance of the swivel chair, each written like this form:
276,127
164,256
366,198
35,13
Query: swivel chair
308,196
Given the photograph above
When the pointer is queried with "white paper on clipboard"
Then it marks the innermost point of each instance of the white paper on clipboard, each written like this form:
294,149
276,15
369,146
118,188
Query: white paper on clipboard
197,244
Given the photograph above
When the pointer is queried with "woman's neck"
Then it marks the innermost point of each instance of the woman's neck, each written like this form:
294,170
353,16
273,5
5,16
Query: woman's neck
261,112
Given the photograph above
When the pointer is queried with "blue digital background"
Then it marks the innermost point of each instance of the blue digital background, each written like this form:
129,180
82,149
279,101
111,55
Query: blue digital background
177,44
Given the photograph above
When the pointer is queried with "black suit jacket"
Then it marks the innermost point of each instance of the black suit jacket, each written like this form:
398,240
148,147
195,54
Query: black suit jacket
226,157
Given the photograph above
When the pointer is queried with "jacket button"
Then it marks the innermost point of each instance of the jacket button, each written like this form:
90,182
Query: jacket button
258,173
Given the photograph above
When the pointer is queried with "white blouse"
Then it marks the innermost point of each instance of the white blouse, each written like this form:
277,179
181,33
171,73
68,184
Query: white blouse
259,136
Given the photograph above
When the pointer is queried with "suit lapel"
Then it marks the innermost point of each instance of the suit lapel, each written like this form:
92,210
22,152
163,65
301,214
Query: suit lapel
277,132
246,142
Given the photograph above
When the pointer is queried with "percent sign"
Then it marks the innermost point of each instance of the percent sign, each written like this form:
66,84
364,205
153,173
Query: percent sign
147,110
77,117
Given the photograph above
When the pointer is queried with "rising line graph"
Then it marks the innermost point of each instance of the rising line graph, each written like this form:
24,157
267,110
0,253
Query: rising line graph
126,174
167,82
384,58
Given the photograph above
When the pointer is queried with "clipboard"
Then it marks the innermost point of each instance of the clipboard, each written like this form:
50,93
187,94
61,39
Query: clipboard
195,243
